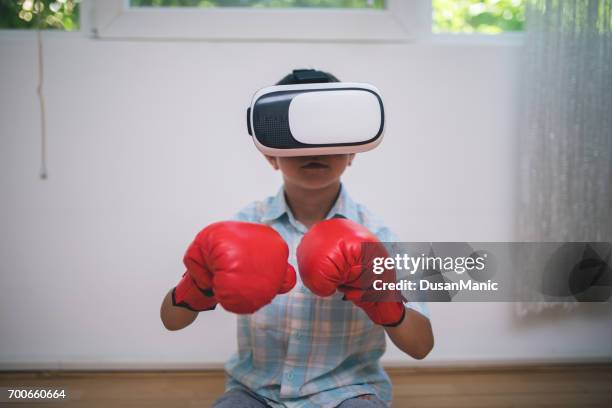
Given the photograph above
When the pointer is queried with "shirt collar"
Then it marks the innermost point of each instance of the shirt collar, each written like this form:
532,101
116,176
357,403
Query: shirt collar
277,207
344,207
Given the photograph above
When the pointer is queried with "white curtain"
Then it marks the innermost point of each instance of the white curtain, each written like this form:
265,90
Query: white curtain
565,143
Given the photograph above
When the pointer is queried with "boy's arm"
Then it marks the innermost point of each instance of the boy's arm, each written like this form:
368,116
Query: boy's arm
413,336
175,317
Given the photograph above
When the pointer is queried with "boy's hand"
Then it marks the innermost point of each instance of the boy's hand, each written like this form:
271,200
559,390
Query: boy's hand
240,265
331,256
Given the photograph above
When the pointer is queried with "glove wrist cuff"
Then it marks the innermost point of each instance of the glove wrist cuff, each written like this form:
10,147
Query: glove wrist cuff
401,319
189,296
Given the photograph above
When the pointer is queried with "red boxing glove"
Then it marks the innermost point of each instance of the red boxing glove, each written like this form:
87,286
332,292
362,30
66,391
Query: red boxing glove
240,265
331,256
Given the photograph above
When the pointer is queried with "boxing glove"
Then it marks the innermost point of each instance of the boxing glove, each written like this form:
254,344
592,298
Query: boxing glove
240,265
331,257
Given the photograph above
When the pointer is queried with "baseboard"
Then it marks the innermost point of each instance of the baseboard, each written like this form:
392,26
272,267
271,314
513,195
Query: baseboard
416,366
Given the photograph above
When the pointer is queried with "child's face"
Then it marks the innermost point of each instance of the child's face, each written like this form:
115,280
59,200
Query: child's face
312,172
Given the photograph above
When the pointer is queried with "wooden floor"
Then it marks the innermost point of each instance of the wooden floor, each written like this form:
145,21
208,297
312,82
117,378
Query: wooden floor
533,386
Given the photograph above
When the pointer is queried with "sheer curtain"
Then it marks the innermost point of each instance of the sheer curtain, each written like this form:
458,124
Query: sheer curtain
565,144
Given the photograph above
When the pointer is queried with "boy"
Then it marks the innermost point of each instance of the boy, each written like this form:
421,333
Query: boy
300,350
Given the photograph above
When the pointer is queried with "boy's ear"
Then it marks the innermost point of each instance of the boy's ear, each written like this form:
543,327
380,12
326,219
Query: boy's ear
351,157
272,160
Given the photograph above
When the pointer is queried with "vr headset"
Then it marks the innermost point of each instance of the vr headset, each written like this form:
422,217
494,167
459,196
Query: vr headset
316,117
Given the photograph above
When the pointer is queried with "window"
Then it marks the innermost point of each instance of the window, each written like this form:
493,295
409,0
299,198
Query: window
261,20
341,4
301,20
478,16
43,14
336,19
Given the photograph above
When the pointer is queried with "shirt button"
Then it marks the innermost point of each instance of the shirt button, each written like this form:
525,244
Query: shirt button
290,375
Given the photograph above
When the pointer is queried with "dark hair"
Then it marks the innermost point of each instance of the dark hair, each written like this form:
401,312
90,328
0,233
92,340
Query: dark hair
307,76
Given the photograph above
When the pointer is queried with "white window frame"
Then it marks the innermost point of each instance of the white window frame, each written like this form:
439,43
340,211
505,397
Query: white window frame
401,20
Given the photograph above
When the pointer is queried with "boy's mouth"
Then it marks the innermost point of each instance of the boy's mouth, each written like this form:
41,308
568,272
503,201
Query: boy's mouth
314,165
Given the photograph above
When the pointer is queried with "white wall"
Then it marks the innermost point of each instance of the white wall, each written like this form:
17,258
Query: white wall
147,144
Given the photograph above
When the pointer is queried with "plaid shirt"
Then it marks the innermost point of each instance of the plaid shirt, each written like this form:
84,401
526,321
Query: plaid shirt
303,350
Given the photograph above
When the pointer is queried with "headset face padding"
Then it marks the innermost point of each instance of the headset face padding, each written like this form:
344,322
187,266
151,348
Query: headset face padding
316,119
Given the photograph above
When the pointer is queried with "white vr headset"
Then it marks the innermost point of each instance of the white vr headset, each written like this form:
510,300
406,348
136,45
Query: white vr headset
316,119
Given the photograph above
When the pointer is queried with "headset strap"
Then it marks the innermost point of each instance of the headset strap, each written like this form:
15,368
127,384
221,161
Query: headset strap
310,76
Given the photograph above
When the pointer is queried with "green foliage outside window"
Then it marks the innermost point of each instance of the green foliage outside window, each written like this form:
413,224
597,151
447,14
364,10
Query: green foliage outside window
481,16
43,14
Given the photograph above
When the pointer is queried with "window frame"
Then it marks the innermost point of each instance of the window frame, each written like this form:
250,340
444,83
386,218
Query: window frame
401,20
